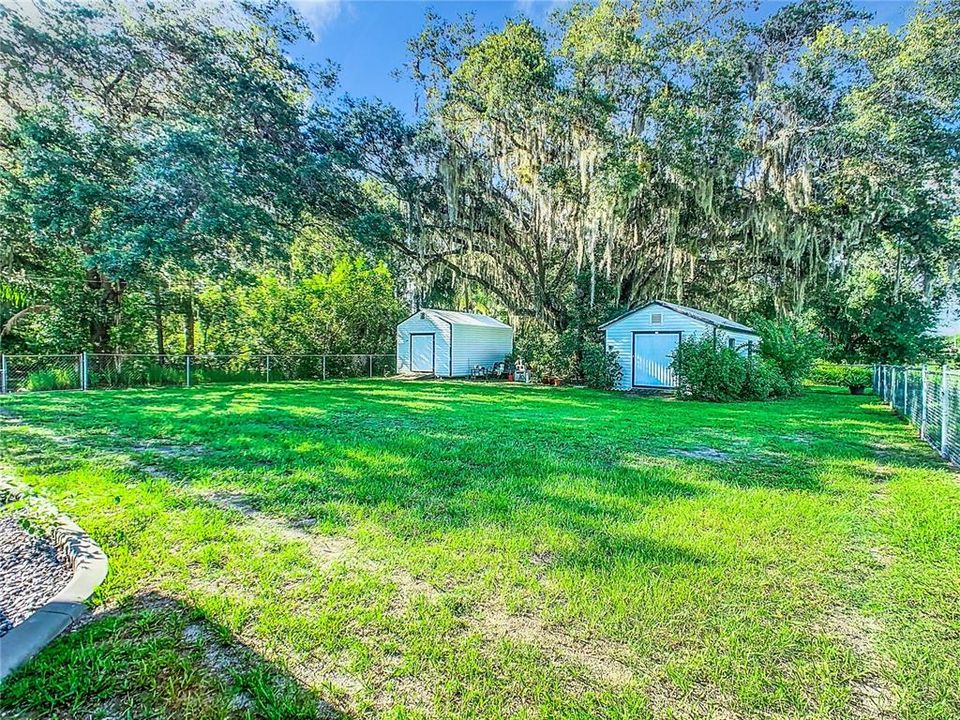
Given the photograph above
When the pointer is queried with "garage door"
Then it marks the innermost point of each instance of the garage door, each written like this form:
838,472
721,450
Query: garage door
422,352
652,355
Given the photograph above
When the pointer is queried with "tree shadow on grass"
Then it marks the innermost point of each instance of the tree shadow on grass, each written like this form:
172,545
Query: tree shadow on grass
158,654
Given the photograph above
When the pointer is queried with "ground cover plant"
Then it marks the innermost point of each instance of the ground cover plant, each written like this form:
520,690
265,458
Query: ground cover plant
853,377
453,550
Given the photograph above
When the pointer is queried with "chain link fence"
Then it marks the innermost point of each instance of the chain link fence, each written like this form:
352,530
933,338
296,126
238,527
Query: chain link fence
91,371
929,398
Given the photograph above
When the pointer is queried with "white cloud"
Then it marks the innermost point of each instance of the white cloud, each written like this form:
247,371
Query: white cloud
319,14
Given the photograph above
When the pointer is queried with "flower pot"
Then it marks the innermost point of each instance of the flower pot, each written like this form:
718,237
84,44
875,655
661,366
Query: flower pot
510,377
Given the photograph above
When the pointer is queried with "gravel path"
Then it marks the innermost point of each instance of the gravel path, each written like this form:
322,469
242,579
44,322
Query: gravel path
31,572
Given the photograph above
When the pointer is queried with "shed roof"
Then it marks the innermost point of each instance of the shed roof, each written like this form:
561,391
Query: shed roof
462,318
702,315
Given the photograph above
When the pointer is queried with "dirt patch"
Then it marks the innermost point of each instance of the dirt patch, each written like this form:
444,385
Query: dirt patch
545,557
601,660
701,453
882,556
168,451
700,702
871,695
218,657
409,588
325,549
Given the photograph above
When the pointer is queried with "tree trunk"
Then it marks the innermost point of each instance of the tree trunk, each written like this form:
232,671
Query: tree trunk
107,310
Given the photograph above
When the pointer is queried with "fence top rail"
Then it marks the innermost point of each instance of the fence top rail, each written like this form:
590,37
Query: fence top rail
194,356
919,368
72,356
290,355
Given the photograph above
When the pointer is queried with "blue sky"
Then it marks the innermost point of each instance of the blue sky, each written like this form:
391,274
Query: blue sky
367,38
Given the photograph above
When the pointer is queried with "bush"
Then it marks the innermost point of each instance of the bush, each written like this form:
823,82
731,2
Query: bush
706,369
854,377
55,379
791,348
544,356
601,369
764,380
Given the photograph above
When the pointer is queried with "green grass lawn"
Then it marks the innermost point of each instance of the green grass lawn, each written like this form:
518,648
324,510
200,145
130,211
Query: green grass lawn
452,550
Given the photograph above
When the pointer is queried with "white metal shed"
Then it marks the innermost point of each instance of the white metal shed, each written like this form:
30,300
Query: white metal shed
446,343
646,337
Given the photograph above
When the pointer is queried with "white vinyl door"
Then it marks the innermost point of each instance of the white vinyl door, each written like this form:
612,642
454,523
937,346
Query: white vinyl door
422,353
652,355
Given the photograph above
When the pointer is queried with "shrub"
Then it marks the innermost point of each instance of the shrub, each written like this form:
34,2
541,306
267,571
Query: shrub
791,348
55,379
764,380
854,377
706,370
601,369
544,356
709,370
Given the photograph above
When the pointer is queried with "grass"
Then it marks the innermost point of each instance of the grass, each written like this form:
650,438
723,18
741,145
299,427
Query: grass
453,550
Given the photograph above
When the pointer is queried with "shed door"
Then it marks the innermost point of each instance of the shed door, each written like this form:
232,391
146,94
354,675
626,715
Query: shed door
652,355
422,352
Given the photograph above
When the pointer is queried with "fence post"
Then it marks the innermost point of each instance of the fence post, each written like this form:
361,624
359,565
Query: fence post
893,388
370,358
83,370
324,367
188,371
923,402
3,373
268,368
944,407
906,385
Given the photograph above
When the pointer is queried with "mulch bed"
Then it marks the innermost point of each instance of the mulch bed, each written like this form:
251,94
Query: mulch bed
32,570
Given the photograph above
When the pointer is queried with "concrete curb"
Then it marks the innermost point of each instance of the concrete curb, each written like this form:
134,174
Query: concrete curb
89,569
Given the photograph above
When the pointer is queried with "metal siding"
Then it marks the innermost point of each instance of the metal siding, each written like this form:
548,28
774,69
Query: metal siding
416,324
619,335
479,345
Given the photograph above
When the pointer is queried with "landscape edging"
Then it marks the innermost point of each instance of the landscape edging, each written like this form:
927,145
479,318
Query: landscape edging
89,570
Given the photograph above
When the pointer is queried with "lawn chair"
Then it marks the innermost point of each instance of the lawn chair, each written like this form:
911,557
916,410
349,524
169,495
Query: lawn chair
498,371
479,372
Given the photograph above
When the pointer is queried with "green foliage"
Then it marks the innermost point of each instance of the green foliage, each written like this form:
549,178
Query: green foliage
138,372
684,153
350,309
53,379
151,148
790,347
854,377
576,354
707,369
601,369
546,355
870,319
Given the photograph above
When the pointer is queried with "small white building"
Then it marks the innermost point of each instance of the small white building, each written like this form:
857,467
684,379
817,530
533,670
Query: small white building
449,344
646,338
